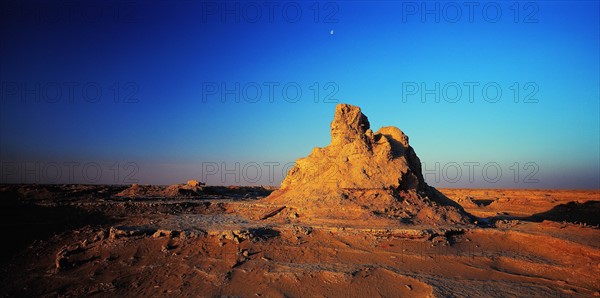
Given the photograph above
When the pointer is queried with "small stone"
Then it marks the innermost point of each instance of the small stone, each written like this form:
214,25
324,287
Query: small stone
101,235
162,233
61,260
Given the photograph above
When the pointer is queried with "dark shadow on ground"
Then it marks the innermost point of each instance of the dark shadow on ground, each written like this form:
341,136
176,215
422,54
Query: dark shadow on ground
573,212
483,203
440,198
264,233
23,222
240,191
437,196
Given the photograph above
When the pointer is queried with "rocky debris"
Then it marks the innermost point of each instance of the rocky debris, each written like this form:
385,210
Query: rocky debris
417,235
190,189
272,213
439,240
166,247
101,235
236,236
129,231
362,174
165,233
506,223
132,231
191,234
252,234
467,202
186,234
302,230
62,261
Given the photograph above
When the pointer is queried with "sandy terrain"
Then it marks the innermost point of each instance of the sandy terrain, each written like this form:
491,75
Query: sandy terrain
75,240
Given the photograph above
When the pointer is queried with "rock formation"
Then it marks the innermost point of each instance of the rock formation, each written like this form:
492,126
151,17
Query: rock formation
191,189
362,174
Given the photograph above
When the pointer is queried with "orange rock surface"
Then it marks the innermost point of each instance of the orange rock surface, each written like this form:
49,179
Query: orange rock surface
362,174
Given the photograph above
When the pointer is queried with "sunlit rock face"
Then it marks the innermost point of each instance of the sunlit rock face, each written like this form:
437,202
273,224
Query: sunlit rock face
364,173
357,158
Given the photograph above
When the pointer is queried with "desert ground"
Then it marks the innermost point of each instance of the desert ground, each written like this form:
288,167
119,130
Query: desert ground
75,240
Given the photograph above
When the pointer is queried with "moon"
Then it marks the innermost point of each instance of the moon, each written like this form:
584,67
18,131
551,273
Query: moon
331,32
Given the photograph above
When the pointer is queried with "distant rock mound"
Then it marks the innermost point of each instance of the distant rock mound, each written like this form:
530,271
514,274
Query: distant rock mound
182,190
191,189
362,174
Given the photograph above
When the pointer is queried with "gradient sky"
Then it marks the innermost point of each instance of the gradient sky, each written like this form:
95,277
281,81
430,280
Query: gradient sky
159,119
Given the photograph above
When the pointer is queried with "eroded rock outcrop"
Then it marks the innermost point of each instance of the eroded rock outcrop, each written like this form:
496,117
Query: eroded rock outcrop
361,174
191,189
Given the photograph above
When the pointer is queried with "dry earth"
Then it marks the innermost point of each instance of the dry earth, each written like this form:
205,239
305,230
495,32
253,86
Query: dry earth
75,240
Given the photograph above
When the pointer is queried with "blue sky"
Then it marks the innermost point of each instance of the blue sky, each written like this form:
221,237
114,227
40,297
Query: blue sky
137,91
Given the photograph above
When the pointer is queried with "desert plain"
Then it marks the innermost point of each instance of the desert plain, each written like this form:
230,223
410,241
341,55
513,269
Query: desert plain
74,240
